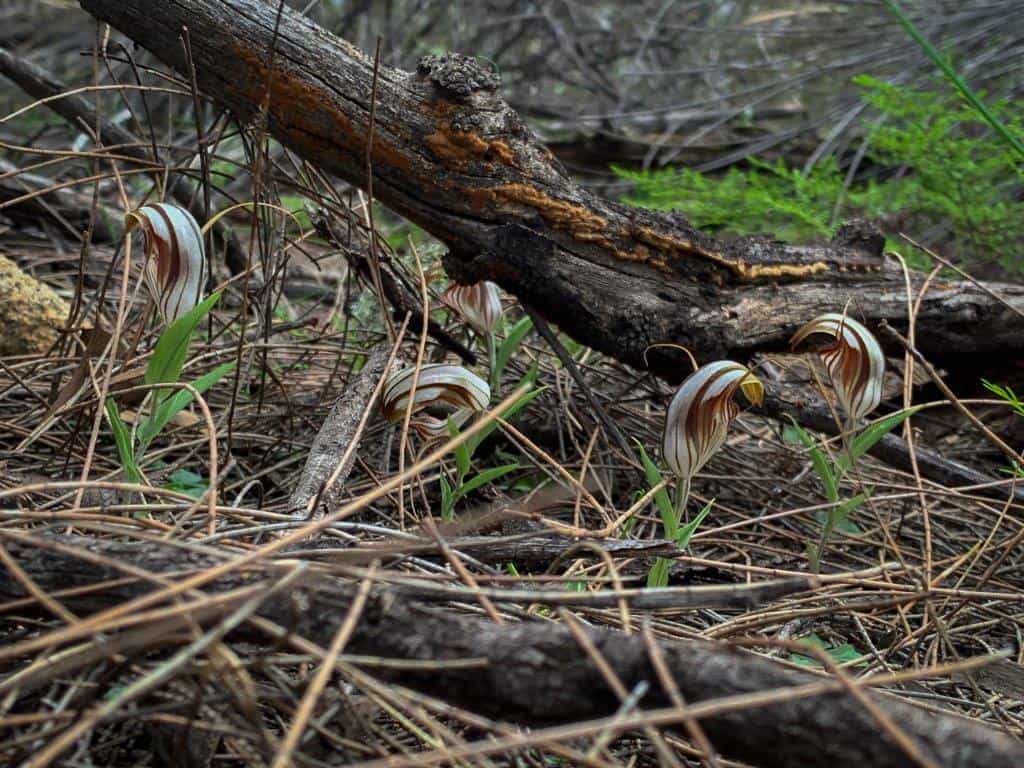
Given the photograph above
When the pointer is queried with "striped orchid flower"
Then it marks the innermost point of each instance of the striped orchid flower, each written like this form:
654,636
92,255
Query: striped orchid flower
175,257
854,360
700,413
478,304
450,387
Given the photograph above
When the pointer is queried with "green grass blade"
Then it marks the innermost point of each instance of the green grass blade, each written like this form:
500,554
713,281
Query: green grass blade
958,82
485,477
475,442
844,510
820,461
658,575
169,407
123,440
171,349
446,499
866,440
686,531
462,456
661,498
508,347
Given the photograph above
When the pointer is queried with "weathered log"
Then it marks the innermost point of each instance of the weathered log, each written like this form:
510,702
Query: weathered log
536,673
449,154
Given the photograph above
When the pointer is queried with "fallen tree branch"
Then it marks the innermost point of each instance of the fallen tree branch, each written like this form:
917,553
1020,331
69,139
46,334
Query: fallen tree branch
535,673
450,155
524,549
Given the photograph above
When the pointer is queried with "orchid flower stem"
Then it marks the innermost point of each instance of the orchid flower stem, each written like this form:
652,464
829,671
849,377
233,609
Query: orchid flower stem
831,520
682,496
658,576
492,361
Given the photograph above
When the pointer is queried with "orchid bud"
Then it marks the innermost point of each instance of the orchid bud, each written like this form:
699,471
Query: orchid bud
701,411
854,360
175,257
478,304
449,386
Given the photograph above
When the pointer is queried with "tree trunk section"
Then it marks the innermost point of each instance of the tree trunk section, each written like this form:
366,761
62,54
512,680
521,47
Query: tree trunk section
535,673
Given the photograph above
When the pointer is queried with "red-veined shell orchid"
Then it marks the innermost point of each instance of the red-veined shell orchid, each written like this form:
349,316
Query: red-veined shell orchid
478,304
175,257
699,414
448,386
854,360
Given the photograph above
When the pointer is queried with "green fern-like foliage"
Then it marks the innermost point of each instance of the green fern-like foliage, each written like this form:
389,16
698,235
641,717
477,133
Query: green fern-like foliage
931,165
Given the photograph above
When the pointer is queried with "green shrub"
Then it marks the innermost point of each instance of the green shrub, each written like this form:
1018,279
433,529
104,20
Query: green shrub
931,165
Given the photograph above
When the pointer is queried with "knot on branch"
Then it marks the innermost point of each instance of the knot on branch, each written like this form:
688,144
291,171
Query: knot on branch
861,235
458,76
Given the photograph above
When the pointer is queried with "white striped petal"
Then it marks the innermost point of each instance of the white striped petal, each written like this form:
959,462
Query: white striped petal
433,428
854,360
175,257
478,304
438,385
698,417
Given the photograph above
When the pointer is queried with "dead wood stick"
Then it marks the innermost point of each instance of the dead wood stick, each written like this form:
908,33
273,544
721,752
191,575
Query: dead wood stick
76,110
525,549
398,294
534,672
341,427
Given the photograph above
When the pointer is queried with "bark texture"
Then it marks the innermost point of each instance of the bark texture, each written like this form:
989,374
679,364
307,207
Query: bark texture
536,673
339,429
449,154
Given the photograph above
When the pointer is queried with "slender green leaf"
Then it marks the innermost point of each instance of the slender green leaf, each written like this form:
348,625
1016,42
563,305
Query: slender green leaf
123,440
863,442
840,654
168,408
508,347
485,477
446,498
686,531
658,576
188,482
845,525
850,505
820,461
474,442
462,457
171,349
531,373
838,517
661,497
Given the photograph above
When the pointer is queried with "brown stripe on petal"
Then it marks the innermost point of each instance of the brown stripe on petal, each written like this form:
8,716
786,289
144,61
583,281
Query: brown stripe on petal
707,419
174,260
